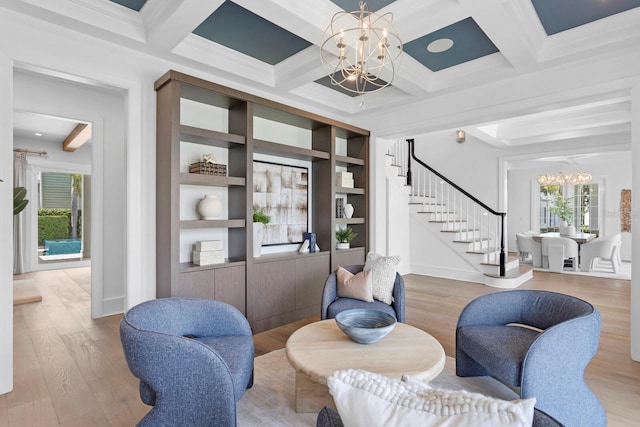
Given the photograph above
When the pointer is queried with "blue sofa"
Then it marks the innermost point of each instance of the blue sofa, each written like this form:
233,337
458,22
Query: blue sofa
194,359
538,342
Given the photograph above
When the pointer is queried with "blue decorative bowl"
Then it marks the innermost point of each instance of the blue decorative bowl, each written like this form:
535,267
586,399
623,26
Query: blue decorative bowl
365,326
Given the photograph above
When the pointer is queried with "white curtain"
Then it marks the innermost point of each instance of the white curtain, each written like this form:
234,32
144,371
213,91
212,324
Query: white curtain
19,180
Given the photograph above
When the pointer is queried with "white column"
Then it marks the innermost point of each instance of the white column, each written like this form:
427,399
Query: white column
635,222
6,224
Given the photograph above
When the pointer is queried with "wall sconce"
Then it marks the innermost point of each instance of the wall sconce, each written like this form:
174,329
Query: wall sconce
460,136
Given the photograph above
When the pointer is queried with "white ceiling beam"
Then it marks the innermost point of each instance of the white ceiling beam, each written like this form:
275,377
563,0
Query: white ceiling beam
169,22
495,20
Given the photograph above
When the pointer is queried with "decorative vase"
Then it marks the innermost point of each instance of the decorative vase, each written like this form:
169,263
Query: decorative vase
348,210
570,230
563,228
341,245
258,233
209,207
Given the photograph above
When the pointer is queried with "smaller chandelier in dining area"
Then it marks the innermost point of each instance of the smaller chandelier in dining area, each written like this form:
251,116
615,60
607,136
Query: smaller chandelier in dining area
574,178
361,50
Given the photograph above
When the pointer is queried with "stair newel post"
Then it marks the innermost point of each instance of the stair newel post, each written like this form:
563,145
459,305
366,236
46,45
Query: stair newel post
502,254
409,152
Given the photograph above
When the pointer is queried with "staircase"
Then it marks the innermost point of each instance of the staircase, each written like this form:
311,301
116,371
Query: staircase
468,229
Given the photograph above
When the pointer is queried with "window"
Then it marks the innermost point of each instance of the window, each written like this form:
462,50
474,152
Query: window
59,216
582,207
586,199
549,221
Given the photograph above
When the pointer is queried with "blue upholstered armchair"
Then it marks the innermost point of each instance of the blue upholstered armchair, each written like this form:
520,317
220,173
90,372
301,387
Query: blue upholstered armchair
332,305
194,359
546,359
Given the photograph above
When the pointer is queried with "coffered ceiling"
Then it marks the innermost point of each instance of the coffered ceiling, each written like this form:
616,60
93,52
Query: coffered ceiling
272,47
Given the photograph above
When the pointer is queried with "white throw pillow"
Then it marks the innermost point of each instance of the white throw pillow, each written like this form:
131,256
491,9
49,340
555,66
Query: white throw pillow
366,399
384,275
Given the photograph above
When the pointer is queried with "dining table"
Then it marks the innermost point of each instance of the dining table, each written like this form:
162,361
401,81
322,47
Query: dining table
579,238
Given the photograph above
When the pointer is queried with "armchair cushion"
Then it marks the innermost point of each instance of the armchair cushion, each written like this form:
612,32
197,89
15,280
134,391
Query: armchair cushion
358,286
497,347
384,274
365,399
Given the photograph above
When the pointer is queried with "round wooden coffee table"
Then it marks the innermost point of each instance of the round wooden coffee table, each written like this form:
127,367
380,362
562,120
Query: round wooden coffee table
317,350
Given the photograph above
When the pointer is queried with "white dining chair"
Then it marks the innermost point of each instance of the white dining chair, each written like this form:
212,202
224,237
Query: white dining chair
555,250
528,246
603,249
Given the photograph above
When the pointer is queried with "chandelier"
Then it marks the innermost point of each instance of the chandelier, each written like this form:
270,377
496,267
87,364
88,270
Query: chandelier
574,178
361,50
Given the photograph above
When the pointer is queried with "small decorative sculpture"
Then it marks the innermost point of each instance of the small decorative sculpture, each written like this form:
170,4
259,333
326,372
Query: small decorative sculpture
209,158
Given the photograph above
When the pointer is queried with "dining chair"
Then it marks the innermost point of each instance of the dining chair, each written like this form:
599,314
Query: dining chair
555,250
604,249
528,246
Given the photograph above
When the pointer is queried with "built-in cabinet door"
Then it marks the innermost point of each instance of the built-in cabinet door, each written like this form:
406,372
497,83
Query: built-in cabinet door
271,292
311,274
222,284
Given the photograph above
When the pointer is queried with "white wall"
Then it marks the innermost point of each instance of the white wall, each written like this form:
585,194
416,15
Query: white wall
55,154
473,165
6,224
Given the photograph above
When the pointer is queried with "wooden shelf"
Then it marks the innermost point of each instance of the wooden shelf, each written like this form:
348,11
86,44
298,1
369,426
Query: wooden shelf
211,180
188,267
344,190
288,151
350,221
351,249
211,223
288,255
349,161
210,137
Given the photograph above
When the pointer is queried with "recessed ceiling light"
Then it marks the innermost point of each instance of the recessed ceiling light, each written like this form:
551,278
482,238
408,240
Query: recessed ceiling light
440,45
37,134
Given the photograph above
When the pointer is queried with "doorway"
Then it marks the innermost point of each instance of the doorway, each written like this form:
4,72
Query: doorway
98,221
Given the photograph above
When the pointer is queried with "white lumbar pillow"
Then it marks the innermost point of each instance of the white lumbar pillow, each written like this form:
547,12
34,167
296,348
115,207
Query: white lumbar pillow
368,399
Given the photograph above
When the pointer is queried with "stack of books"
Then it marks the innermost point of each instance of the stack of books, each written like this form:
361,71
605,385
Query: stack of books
208,252
344,179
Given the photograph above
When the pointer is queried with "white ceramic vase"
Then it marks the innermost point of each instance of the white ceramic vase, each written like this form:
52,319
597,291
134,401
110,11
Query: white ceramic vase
209,207
258,233
348,210
340,245
570,230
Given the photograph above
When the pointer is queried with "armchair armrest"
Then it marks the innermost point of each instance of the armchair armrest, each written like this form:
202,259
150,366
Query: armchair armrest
162,362
399,298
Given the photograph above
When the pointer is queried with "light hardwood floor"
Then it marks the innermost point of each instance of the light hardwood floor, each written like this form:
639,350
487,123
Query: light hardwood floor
70,370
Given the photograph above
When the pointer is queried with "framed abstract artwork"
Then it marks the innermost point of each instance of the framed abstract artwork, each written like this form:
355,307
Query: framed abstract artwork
282,192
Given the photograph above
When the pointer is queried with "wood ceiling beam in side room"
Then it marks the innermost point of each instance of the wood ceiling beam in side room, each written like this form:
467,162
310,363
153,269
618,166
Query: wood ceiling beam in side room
77,137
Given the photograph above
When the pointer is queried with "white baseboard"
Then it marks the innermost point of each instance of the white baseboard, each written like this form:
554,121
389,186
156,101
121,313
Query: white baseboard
448,273
112,306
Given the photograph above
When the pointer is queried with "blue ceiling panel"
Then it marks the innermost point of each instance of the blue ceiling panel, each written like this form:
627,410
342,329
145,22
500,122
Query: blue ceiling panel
131,4
241,30
326,81
561,15
469,43
372,5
